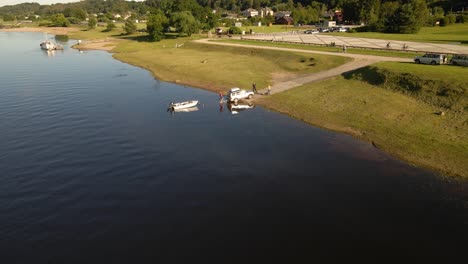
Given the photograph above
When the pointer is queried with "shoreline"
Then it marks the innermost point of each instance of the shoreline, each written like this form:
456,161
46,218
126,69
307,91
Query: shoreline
109,44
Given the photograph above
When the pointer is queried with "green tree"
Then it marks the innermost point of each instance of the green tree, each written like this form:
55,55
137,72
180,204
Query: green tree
184,23
8,17
129,27
92,22
157,22
59,20
110,26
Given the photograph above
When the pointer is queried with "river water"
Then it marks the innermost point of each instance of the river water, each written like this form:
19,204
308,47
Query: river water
93,169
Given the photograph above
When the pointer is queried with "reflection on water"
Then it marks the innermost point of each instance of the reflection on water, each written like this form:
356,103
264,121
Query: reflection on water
241,106
49,53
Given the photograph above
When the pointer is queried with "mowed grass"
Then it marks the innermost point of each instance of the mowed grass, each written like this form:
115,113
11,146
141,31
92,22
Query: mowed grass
455,33
383,53
399,124
219,68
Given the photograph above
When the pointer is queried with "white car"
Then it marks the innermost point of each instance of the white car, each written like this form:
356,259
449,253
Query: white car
431,58
235,94
311,31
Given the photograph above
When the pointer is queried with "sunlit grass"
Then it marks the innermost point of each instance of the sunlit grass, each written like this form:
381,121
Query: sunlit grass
455,33
401,125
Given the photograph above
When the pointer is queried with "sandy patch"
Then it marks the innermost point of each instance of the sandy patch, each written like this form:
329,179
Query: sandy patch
106,45
49,30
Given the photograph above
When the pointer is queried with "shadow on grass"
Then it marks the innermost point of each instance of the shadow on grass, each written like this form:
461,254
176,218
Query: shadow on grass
144,38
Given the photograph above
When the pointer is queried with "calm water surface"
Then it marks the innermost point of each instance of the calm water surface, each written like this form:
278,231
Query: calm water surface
93,169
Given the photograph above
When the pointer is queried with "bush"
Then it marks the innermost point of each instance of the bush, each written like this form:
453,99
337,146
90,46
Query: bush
110,26
452,18
235,30
444,22
461,18
445,94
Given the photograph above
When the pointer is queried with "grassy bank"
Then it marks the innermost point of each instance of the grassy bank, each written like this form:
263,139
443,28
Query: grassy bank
395,105
220,68
456,33
409,127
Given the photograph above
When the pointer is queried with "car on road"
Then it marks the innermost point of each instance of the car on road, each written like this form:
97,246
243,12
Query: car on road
235,94
311,31
459,59
431,58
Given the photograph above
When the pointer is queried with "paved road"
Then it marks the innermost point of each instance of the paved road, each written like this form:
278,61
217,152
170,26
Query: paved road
358,61
326,39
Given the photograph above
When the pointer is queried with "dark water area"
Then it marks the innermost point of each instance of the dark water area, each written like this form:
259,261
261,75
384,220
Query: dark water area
93,169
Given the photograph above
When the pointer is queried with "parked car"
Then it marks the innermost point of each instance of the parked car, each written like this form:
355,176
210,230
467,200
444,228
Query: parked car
459,59
311,31
431,58
341,30
235,94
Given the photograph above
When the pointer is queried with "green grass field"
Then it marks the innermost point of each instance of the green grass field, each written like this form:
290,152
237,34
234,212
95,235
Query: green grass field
402,125
324,48
455,33
219,68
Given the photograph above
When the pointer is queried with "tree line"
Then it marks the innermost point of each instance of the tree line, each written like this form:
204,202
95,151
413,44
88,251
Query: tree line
190,16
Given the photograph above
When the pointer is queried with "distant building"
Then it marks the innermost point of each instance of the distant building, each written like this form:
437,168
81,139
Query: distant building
338,16
266,11
285,20
329,23
238,24
281,14
250,12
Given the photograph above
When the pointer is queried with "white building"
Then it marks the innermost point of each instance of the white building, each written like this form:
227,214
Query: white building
250,12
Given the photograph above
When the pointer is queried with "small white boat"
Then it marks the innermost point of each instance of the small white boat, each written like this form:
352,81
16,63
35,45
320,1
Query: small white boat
49,45
182,105
190,109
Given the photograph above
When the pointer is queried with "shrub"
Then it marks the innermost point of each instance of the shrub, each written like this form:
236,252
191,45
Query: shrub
451,18
235,30
445,94
444,22
461,18
110,26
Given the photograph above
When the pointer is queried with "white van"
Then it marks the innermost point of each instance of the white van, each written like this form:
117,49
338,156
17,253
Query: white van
431,58
459,59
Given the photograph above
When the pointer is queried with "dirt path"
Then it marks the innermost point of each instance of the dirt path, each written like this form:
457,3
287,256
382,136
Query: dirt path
358,61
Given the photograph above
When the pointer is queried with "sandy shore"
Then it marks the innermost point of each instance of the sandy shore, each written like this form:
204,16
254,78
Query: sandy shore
101,44
49,30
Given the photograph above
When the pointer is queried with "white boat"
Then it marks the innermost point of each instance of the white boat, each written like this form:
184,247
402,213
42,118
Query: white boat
48,45
182,105
190,109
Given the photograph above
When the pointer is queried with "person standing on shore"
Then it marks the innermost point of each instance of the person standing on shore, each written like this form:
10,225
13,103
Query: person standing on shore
269,89
254,87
